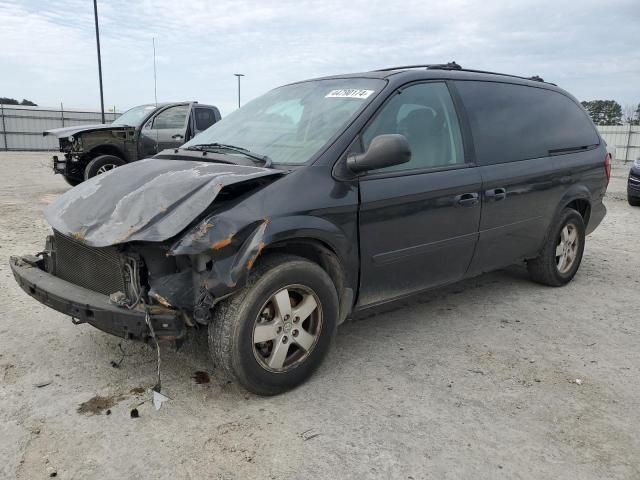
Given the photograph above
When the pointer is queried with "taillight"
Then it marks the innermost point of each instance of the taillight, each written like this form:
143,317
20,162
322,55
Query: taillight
607,166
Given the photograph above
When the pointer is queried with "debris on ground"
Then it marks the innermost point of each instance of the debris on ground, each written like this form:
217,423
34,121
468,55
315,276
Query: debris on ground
134,413
577,381
43,383
97,404
201,377
308,434
158,399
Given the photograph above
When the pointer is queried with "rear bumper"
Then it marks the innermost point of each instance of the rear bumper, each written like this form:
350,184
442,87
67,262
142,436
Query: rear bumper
598,212
87,306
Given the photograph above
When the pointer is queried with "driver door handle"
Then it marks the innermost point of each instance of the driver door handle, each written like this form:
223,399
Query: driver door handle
177,137
467,199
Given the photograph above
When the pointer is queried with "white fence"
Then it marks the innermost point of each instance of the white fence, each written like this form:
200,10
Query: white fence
21,127
623,141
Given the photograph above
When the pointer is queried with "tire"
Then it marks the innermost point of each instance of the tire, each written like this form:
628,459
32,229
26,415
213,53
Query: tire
548,268
633,201
72,180
237,319
100,164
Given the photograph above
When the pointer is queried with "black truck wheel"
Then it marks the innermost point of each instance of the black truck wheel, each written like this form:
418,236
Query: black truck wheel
102,164
73,181
561,254
272,334
633,201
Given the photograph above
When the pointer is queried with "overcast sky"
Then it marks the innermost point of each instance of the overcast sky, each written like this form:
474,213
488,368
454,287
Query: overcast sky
48,51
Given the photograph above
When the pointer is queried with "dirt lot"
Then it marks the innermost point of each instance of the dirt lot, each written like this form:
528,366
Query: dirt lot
474,381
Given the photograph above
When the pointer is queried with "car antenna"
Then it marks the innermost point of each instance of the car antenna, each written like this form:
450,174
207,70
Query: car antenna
155,87
155,83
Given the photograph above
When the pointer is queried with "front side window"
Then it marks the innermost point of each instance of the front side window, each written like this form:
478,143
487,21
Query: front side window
293,123
134,116
425,115
171,118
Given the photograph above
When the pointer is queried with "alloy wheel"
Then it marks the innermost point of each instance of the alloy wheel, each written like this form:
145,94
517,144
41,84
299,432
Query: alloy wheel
105,168
287,328
567,248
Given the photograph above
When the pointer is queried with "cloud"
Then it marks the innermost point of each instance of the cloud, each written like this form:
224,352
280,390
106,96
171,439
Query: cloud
48,51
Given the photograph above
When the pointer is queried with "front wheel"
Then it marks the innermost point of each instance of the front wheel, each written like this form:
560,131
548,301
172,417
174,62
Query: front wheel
274,333
73,181
102,164
561,254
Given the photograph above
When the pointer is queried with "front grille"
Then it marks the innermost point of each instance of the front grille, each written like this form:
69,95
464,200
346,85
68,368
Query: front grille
96,268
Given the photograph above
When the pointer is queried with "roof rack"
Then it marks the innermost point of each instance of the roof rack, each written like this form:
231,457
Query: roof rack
454,66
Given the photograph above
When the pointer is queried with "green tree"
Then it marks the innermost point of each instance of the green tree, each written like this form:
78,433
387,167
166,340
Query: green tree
604,112
13,101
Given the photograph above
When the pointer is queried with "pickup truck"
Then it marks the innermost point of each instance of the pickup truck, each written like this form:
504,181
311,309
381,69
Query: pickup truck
140,132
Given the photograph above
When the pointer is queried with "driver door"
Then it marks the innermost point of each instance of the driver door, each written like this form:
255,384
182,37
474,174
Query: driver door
418,220
167,129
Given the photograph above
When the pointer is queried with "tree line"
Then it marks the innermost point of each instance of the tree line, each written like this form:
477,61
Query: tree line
13,101
610,112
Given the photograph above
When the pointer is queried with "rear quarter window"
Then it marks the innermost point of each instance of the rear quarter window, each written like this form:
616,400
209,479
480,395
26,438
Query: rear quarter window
515,122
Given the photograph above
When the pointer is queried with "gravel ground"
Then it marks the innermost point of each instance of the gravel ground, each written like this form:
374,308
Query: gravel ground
477,380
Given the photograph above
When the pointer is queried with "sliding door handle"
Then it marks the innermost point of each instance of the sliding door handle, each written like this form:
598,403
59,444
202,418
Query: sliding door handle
496,194
467,199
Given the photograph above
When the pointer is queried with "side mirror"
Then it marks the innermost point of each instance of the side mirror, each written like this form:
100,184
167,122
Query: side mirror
384,151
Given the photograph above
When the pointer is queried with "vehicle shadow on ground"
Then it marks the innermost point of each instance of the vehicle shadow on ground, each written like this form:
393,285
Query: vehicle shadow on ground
129,361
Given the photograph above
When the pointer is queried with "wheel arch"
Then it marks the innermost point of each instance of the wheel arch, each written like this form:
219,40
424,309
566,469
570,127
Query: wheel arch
321,253
106,149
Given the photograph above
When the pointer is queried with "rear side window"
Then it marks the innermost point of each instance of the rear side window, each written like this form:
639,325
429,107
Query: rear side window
205,117
515,122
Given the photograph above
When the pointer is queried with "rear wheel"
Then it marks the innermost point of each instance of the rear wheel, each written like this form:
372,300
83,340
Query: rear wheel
275,332
102,164
561,254
633,201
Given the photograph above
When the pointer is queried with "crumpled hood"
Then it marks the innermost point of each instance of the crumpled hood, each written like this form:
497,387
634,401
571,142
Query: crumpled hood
151,200
67,131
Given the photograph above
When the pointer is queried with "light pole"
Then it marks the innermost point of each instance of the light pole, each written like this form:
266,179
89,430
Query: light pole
95,14
239,75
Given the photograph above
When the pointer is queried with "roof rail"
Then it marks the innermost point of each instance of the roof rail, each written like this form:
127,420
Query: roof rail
454,66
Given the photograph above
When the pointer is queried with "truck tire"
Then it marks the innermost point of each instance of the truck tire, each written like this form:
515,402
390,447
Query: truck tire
102,164
72,180
562,251
272,334
633,201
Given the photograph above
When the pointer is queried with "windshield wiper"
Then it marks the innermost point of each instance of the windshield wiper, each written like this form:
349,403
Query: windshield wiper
217,147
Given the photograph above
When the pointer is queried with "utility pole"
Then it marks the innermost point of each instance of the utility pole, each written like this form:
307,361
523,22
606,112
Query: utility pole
95,14
239,75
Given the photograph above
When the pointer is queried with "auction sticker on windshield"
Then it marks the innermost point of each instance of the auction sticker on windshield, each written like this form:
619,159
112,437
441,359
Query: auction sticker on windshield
349,93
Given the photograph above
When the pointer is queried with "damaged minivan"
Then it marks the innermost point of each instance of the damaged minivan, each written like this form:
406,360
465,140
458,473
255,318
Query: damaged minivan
320,199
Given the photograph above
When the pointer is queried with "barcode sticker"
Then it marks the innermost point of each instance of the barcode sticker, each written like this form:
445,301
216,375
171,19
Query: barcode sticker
349,93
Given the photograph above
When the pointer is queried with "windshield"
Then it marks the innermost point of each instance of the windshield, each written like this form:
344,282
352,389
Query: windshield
292,123
134,116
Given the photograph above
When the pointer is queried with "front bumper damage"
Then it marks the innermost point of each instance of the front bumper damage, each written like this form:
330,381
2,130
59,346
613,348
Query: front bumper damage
87,306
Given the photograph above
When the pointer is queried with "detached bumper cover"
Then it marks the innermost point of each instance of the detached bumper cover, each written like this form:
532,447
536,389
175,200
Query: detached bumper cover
87,306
